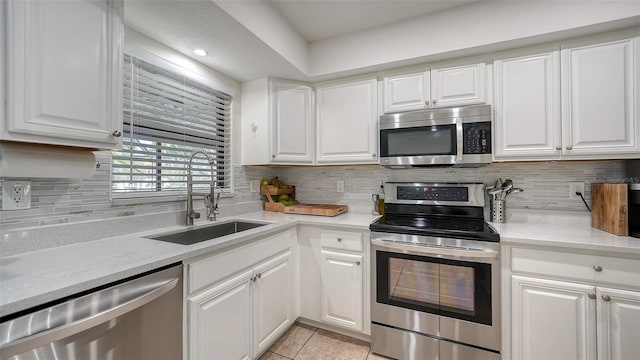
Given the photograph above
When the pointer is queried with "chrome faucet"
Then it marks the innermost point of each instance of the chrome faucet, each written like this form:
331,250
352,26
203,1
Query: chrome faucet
210,199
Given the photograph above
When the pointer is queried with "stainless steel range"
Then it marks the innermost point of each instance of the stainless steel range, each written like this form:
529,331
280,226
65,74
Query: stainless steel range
435,272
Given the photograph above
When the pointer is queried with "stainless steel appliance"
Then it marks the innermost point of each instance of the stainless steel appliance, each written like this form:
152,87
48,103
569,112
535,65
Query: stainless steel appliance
140,318
435,290
459,137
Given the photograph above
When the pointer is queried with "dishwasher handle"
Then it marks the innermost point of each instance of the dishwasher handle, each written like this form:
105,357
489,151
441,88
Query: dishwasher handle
26,343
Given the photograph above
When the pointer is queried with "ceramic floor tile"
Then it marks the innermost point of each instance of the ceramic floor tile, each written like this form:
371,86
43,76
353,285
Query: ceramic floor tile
293,340
373,356
268,355
325,345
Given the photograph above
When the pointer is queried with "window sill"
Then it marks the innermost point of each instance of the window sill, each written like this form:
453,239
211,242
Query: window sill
151,199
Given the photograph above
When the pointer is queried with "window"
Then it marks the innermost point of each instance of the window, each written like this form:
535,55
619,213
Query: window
166,117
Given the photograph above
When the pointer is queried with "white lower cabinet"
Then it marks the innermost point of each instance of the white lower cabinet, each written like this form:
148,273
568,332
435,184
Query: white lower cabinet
342,289
334,277
552,320
570,305
240,301
220,320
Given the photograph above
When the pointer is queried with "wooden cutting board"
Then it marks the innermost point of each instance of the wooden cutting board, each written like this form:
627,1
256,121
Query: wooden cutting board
316,209
609,208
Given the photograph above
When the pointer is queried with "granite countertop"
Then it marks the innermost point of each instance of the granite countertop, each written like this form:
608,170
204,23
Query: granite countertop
34,278
37,277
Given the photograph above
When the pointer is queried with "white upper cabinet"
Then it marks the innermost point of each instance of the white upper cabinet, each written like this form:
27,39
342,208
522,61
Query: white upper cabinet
63,72
277,122
439,87
347,122
577,103
407,92
527,107
600,100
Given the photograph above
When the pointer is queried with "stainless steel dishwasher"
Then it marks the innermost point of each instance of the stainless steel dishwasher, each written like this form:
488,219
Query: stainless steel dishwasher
140,318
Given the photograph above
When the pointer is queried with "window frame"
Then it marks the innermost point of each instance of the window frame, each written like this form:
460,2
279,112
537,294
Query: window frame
181,69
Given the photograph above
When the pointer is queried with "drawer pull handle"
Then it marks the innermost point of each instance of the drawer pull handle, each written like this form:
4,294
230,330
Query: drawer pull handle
606,298
253,278
592,296
597,268
259,275
339,239
357,262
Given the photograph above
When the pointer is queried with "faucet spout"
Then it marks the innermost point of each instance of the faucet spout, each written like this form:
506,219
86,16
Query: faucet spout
210,201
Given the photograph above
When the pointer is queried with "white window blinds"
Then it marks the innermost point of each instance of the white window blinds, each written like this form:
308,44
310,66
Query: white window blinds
166,118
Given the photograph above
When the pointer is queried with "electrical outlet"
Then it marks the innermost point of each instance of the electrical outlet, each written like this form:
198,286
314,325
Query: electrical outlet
16,195
576,186
254,185
340,186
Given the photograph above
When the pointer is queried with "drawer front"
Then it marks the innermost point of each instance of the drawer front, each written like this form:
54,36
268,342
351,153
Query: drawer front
339,240
591,268
224,263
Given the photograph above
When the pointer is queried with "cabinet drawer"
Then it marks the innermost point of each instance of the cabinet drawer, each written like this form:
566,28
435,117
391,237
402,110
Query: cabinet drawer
339,240
614,270
224,263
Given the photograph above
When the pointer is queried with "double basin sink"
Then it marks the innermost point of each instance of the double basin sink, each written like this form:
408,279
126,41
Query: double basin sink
194,236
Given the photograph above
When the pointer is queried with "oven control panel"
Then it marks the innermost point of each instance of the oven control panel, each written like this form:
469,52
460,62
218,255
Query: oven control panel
433,193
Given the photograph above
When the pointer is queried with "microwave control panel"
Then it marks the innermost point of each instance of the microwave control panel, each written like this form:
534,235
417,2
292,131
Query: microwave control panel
476,138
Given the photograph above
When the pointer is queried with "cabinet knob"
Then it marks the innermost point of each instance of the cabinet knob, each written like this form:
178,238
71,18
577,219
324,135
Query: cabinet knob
426,103
606,298
434,101
373,155
592,296
259,275
253,278
570,147
273,156
357,262
117,133
558,147
339,239
597,268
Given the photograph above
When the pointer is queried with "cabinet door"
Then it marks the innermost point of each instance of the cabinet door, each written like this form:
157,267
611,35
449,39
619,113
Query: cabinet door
618,324
461,85
407,92
552,319
292,122
600,100
527,107
347,123
220,321
273,301
342,289
64,72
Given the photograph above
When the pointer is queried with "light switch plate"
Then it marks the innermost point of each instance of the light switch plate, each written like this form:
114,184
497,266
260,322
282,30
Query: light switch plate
16,195
340,186
254,185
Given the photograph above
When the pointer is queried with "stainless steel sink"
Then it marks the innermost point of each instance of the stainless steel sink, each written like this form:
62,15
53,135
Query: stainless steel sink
194,236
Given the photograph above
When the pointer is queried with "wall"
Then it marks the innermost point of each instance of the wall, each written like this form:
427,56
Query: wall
546,184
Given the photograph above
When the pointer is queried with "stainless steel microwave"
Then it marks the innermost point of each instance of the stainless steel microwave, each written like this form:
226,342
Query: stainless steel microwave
457,136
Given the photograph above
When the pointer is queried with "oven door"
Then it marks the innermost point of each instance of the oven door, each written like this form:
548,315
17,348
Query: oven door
426,142
447,291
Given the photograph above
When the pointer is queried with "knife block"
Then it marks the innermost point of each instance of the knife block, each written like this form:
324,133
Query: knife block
609,208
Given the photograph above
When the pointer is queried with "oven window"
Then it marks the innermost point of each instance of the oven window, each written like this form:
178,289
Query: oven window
457,289
425,140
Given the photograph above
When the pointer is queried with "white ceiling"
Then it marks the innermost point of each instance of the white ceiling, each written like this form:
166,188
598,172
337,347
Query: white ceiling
322,19
250,39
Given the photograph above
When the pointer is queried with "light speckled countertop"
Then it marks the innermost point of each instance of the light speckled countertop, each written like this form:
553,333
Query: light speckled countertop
570,230
36,277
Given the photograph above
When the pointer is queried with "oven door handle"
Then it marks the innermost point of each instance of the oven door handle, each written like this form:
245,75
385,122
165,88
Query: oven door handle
437,250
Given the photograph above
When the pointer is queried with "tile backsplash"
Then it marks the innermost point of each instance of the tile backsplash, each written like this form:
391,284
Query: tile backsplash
60,201
546,184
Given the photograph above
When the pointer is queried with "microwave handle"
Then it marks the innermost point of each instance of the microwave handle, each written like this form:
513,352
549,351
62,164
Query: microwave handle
459,140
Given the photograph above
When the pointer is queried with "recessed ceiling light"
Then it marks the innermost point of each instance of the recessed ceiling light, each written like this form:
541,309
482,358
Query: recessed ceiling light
200,52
